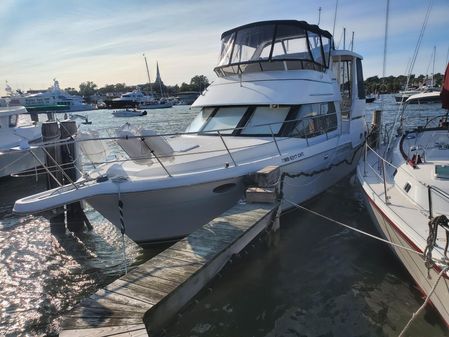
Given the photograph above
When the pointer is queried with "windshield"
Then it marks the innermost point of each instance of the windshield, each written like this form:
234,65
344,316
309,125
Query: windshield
303,121
274,41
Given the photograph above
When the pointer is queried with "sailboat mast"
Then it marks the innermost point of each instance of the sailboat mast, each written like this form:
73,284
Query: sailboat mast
433,66
148,74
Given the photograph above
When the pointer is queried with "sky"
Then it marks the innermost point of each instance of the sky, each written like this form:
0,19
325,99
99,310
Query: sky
103,40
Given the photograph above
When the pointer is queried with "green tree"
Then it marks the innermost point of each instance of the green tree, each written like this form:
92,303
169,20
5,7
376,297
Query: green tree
71,91
199,83
185,87
87,89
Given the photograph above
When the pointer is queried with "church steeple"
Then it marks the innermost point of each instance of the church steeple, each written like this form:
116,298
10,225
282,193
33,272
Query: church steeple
158,75
158,80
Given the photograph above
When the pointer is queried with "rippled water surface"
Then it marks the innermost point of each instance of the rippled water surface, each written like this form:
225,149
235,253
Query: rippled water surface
320,280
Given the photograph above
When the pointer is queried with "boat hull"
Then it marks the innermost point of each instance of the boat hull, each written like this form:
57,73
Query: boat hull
171,213
168,214
12,162
414,263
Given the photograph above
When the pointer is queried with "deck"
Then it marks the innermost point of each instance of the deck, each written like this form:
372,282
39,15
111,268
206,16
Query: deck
142,302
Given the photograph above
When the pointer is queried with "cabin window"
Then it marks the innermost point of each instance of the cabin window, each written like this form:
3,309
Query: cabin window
315,47
343,71
225,119
200,120
314,120
226,49
263,115
12,121
326,42
292,42
248,39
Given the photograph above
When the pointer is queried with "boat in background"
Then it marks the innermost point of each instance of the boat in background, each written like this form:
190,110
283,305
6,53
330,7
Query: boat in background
54,99
128,100
129,113
370,99
425,97
186,97
16,137
403,95
162,103
299,107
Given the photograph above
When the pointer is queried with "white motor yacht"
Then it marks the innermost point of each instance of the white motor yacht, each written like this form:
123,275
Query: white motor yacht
15,138
54,99
405,180
132,99
284,96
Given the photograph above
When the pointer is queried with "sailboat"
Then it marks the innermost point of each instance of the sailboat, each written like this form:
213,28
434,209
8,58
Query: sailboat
404,175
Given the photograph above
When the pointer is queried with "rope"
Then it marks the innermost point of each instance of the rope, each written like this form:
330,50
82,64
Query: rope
353,228
312,173
118,181
434,223
421,308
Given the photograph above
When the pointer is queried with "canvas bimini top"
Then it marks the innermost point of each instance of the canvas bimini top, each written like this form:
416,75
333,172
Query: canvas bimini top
274,45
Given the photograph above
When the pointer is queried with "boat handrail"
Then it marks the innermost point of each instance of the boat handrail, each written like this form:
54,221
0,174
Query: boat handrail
306,134
213,132
382,177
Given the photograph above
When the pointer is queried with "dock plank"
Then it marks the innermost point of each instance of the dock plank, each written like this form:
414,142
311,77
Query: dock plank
158,288
136,330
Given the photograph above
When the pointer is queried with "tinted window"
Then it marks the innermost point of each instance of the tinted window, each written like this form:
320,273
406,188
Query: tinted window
265,115
225,118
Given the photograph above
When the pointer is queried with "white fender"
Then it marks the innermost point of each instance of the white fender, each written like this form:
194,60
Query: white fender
94,150
158,144
134,147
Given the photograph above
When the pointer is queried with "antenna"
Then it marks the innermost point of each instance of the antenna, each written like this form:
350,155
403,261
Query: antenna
352,41
148,73
344,38
319,16
335,17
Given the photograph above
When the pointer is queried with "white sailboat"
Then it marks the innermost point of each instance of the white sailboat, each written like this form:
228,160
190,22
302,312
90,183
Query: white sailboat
284,96
405,180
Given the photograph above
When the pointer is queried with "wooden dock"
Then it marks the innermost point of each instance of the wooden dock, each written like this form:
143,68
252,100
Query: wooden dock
142,302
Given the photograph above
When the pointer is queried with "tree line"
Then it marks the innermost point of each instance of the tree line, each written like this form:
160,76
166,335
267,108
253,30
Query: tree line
392,84
374,84
88,89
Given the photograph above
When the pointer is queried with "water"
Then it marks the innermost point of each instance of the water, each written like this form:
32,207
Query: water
321,280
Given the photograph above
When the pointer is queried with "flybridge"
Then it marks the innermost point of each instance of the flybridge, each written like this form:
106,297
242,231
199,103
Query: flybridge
274,45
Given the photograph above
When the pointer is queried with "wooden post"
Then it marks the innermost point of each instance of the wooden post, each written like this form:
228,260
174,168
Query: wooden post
75,216
266,183
50,133
376,124
267,191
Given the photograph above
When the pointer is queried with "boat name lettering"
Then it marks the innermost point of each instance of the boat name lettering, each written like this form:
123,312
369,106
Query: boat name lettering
293,157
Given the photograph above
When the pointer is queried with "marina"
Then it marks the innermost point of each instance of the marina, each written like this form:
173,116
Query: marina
94,259
279,199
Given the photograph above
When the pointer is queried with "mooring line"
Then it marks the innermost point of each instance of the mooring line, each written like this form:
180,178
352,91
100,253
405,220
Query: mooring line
353,228
421,308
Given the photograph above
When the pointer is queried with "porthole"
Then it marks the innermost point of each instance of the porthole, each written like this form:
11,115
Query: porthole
407,187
